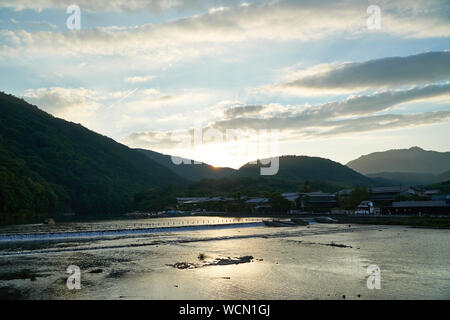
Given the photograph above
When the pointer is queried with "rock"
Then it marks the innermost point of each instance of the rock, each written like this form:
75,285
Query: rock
96,271
244,259
182,265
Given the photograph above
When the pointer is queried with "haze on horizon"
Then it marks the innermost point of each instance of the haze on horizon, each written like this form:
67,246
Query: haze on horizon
313,70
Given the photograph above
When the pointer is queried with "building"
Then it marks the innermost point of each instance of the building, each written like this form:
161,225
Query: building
382,194
191,200
420,207
365,207
258,204
317,201
291,196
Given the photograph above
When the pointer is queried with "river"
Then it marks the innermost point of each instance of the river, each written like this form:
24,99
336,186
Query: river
138,259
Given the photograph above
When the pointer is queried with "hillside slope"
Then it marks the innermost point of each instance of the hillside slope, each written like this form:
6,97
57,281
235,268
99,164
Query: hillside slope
302,168
192,172
406,178
445,176
413,159
49,165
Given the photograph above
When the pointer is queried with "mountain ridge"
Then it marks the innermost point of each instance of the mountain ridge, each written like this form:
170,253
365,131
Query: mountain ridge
414,159
192,172
304,168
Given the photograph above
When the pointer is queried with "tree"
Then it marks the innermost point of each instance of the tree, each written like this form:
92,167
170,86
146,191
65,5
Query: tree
357,195
307,187
279,203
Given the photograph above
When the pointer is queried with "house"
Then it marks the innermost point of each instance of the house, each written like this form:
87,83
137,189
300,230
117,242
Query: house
365,207
387,193
191,200
420,207
421,192
258,204
257,201
317,200
293,198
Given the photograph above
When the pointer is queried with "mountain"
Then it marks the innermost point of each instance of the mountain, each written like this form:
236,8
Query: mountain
443,187
302,168
49,166
445,176
405,178
414,159
192,172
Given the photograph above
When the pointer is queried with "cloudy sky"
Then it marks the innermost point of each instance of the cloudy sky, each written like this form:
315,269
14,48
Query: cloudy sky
333,78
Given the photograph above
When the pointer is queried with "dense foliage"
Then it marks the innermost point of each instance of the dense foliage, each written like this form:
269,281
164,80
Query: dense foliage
49,166
357,195
301,168
443,187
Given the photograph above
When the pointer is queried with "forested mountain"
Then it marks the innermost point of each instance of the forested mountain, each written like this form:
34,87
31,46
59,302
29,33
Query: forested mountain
445,176
49,166
413,159
302,168
192,172
406,178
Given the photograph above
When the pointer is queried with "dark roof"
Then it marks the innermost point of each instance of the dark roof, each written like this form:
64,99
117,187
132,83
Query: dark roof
393,189
418,204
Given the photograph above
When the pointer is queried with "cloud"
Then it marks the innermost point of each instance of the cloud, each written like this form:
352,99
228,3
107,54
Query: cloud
151,140
138,79
103,5
42,25
380,73
58,100
79,105
356,114
342,114
238,111
384,122
275,21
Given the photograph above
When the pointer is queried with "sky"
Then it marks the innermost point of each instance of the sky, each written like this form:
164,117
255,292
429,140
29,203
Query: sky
227,81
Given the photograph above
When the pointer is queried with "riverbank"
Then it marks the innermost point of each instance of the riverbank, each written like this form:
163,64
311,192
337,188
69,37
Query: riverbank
411,221
437,222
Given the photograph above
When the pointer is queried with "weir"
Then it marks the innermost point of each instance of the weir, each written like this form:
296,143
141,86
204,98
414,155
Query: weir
120,232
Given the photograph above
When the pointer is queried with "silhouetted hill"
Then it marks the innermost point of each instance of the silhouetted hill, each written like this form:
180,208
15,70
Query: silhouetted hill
443,186
48,166
445,176
193,172
302,168
413,159
405,178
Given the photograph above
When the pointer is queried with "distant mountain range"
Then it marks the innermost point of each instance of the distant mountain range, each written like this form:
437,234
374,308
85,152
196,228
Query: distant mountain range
405,178
291,168
413,160
445,176
49,165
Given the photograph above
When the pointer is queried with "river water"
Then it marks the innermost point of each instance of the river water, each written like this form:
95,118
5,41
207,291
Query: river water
135,260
